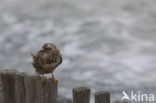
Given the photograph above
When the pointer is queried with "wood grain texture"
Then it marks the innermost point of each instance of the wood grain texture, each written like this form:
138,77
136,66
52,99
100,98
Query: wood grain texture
48,91
81,95
8,84
20,89
102,97
33,88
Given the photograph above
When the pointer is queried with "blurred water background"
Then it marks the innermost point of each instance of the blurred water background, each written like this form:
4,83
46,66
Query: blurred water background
106,44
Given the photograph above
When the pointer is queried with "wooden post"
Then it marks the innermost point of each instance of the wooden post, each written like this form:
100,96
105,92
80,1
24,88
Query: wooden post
102,97
20,89
33,88
81,95
49,91
120,102
8,84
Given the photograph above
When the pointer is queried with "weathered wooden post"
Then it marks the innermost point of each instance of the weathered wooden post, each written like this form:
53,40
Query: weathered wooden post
81,95
48,91
8,84
33,88
120,102
20,89
102,97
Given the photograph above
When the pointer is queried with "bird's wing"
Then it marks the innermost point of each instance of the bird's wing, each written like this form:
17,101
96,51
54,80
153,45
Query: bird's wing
54,61
37,65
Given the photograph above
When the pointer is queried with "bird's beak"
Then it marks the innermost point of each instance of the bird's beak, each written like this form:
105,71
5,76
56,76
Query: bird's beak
32,54
42,49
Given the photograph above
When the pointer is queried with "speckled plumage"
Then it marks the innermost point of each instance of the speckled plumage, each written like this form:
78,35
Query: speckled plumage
47,59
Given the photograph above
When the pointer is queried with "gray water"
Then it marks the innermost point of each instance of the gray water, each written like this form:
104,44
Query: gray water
106,44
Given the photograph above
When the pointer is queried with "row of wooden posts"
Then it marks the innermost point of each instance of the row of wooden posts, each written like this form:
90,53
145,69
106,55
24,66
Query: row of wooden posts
22,88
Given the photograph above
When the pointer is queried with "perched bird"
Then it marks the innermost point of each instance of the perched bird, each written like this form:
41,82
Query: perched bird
46,60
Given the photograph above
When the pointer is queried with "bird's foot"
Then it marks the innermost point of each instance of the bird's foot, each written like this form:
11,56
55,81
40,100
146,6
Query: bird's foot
54,80
43,79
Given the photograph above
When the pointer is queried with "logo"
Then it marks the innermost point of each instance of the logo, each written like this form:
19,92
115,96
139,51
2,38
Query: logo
137,96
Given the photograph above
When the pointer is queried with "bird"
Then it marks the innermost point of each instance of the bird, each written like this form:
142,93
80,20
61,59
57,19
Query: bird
46,60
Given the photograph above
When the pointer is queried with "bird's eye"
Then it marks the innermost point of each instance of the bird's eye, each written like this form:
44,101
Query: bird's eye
47,48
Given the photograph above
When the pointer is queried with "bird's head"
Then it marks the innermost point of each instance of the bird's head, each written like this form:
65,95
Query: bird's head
48,47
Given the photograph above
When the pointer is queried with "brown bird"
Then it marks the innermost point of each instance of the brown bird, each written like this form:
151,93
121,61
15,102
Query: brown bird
46,60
